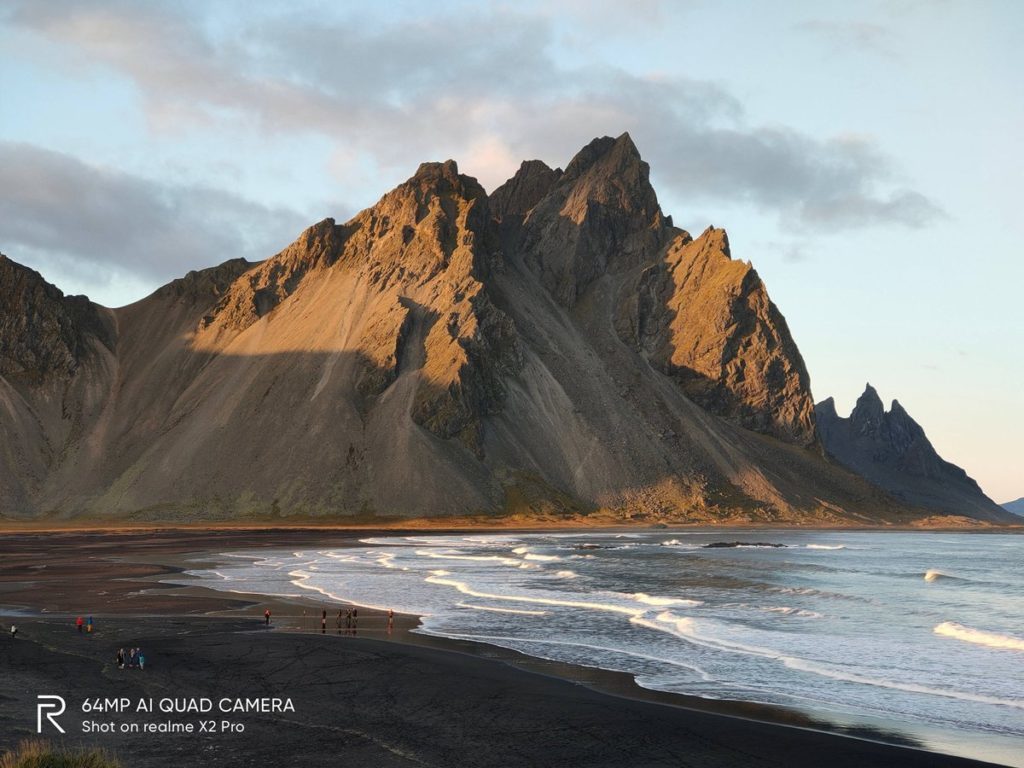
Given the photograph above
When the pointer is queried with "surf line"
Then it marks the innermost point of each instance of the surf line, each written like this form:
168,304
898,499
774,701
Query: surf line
518,611
467,590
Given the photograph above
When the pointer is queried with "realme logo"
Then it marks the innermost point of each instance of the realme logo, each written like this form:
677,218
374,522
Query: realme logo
52,707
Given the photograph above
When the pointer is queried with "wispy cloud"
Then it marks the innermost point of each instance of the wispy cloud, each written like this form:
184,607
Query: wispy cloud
859,36
415,88
63,211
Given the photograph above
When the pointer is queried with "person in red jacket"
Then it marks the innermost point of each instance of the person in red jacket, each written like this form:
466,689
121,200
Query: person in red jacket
79,623
266,617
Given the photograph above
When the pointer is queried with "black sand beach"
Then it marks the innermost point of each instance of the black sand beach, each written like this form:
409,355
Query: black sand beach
374,700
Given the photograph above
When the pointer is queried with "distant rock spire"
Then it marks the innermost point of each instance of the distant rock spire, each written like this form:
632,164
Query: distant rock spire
892,451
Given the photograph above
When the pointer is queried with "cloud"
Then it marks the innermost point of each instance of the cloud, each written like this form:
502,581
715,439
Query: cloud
88,219
485,87
792,252
859,36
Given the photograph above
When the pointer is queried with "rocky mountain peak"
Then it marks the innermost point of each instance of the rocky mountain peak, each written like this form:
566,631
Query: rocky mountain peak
827,407
892,451
554,349
610,154
867,413
610,172
601,215
706,320
44,333
435,179
518,195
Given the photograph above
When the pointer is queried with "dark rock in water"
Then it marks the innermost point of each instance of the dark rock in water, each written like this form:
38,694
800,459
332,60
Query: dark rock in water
733,544
892,451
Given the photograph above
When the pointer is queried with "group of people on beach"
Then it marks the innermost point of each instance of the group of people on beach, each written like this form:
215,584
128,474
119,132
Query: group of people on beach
84,625
132,658
351,619
347,621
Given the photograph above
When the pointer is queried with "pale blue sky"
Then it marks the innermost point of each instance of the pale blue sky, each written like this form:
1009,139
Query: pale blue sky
865,157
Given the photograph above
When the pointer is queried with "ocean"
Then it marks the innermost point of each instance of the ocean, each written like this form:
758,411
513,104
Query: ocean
917,633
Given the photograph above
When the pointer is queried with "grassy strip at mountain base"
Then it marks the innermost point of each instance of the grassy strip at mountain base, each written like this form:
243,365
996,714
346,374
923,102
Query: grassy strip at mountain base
35,753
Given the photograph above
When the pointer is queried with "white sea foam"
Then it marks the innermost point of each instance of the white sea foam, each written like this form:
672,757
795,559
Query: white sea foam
517,642
755,632
387,559
657,600
541,558
465,589
518,611
786,610
455,555
487,540
686,628
979,636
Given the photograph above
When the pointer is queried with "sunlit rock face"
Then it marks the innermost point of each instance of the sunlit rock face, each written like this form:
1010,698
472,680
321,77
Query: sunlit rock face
554,349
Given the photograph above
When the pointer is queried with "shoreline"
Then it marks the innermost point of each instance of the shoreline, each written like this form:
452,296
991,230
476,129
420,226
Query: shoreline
438,526
153,594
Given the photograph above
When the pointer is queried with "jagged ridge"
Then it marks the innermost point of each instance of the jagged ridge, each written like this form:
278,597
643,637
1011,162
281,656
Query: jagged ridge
555,347
891,450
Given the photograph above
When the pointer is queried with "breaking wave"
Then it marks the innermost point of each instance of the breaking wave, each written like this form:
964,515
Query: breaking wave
979,636
687,628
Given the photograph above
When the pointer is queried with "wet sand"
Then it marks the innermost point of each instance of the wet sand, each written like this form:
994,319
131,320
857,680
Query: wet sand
374,698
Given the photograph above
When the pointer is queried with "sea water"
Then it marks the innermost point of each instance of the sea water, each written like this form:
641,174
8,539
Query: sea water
922,632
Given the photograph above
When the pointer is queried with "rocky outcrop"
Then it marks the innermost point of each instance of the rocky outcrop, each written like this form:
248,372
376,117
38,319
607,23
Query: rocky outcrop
517,196
44,333
602,215
556,348
891,450
707,321
275,279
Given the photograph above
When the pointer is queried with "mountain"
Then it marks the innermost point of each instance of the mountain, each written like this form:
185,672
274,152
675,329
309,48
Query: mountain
891,450
551,350
1017,507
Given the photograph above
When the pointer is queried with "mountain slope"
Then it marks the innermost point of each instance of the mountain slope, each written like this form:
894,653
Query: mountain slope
553,348
1016,507
891,450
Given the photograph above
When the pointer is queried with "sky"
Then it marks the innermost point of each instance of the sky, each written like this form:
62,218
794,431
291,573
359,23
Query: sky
865,157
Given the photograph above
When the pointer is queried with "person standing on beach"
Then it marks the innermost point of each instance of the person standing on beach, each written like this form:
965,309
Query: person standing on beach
120,658
88,625
355,619
142,660
323,622
79,623
391,620
14,631
266,617
338,621
131,657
